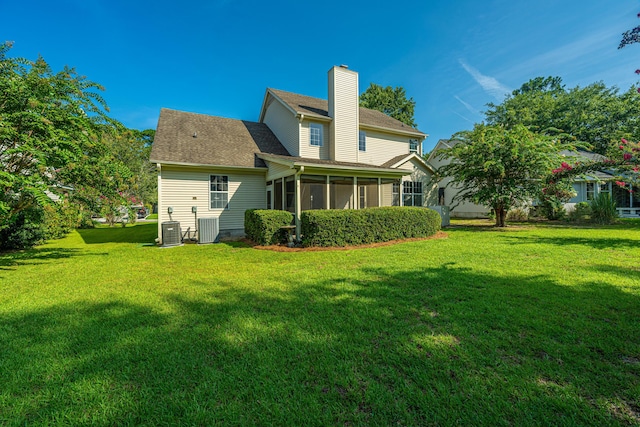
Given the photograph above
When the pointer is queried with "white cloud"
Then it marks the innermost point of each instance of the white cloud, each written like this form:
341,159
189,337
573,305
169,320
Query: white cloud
467,105
462,117
490,84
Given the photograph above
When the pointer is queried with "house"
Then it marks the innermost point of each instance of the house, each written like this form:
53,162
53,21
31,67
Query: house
447,191
586,187
589,186
303,153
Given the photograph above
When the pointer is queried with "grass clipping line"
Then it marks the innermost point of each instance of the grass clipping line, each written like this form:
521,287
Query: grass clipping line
284,248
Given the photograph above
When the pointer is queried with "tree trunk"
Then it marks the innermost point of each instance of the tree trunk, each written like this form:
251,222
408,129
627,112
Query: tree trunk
501,216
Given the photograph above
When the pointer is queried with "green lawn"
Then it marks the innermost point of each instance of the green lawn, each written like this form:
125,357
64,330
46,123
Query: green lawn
525,326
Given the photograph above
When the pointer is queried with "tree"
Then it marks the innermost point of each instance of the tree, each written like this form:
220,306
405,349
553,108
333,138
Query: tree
132,148
390,100
51,127
500,167
595,116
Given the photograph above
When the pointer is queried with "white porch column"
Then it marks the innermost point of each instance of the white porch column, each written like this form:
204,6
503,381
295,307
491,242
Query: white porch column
297,205
327,193
356,198
379,192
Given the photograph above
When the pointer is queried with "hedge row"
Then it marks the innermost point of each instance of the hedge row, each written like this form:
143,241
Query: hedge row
356,227
263,226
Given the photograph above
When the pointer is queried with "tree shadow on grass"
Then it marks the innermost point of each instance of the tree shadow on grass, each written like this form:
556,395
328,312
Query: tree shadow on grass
595,242
35,256
434,346
140,233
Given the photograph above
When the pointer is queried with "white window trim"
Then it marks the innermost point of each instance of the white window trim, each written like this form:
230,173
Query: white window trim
226,207
413,193
414,141
319,127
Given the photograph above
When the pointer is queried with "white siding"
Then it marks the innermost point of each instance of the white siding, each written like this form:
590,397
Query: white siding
344,109
277,170
418,173
382,147
284,126
183,187
464,209
309,151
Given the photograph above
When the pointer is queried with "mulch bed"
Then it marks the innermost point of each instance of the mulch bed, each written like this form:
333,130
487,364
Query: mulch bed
284,248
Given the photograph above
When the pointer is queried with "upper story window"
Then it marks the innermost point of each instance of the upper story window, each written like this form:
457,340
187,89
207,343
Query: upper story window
219,191
362,141
315,134
413,146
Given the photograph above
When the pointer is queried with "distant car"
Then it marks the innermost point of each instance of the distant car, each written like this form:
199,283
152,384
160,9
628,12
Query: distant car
142,213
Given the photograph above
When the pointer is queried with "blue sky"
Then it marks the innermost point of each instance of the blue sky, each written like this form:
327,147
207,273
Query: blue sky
218,57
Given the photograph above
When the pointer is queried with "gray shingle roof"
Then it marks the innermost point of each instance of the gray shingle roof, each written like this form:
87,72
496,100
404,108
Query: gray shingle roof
217,140
317,107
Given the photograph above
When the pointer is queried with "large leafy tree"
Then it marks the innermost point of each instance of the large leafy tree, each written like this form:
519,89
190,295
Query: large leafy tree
390,100
132,148
500,167
595,115
51,130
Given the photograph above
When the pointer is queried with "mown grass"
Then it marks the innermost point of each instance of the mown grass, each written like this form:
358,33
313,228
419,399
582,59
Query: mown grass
533,325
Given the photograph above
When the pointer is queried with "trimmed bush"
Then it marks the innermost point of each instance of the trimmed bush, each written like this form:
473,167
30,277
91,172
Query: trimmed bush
357,227
263,225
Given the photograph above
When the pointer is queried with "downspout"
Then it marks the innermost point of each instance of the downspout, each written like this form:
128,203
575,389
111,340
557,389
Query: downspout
160,203
297,209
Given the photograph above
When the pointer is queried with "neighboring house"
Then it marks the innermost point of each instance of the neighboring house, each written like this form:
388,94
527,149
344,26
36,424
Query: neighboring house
303,153
592,184
447,191
586,187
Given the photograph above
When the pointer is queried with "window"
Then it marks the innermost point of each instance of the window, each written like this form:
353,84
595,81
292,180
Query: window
605,188
590,190
413,146
412,193
269,205
441,199
395,194
362,141
315,134
219,191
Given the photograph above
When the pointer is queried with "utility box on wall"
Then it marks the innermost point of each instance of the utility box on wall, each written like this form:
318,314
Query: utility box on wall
208,230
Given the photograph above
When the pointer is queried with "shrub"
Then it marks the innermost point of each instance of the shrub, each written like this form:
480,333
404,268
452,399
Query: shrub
23,230
581,212
518,214
603,209
263,225
59,220
356,227
553,209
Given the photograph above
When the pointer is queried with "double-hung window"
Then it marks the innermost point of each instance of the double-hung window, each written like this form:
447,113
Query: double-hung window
219,191
590,190
315,134
362,141
413,146
412,193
